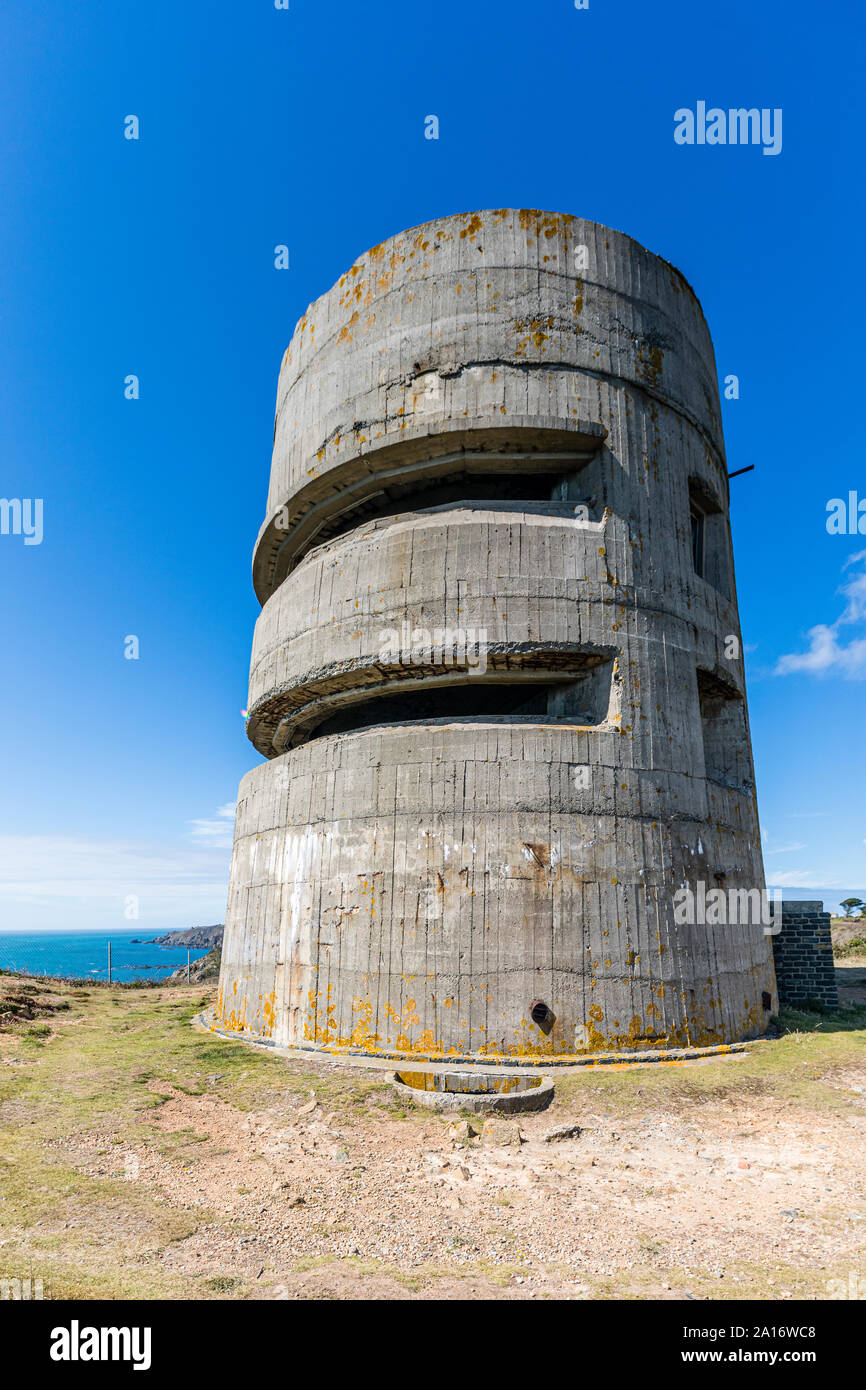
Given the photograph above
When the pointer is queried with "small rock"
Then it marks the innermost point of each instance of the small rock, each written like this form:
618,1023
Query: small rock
500,1133
562,1132
297,1201
460,1132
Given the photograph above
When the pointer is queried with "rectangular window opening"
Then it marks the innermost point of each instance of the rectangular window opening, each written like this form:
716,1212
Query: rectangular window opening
725,734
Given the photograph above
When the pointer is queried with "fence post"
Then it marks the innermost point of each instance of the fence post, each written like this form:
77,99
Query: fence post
187,965
109,962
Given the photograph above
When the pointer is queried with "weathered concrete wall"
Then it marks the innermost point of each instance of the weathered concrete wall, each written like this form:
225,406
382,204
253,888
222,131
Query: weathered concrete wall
416,880
803,954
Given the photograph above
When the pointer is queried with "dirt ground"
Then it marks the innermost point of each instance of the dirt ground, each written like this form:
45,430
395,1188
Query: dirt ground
140,1157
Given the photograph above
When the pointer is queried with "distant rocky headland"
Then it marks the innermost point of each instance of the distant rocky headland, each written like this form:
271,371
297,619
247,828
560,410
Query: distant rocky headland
196,938
205,968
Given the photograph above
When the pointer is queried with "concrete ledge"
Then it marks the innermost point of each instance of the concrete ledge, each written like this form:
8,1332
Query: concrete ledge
519,448
283,720
477,1091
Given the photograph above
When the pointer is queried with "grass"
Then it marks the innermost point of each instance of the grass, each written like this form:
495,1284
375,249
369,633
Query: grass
813,1047
89,1236
89,1069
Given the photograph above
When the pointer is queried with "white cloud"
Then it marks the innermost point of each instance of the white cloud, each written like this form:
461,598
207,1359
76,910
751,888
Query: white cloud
770,848
801,878
828,651
217,833
72,882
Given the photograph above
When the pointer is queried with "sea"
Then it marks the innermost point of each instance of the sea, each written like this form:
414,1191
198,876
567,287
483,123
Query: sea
84,954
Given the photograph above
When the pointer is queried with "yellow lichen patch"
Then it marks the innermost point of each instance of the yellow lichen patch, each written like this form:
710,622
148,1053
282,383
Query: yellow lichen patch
232,1017
649,364
547,224
345,334
472,228
269,1014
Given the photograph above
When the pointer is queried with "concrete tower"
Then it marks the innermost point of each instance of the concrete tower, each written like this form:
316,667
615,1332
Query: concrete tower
497,671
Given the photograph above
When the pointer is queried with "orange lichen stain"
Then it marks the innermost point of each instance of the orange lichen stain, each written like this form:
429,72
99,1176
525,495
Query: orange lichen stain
535,1051
534,330
345,335
650,367
538,223
472,228
424,1043
269,1014
232,1018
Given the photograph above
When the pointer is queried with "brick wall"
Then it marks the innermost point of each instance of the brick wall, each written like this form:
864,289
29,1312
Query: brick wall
803,955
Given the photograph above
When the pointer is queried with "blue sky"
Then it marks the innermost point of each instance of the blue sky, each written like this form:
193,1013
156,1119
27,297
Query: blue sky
155,258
